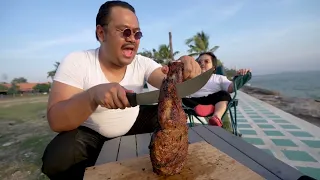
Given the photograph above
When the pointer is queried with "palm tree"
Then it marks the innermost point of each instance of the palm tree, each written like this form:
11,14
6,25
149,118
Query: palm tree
147,53
163,55
52,73
170,46
153,54
199,43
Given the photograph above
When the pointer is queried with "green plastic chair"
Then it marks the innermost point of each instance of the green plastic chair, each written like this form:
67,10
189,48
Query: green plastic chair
238,82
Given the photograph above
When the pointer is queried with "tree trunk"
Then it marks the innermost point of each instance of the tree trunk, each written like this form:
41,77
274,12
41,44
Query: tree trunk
170,45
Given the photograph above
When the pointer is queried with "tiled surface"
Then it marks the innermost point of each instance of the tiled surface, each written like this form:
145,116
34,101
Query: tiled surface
288,138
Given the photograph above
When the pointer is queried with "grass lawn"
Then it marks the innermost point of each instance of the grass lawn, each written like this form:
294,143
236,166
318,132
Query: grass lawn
227,123
24,133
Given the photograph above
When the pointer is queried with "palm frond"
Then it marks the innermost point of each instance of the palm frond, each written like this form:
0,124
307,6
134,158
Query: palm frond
214,49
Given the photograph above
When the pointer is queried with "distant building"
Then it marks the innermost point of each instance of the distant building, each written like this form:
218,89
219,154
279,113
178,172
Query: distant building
23,87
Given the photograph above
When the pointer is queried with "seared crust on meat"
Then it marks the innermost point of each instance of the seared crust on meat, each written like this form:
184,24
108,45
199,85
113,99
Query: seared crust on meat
169,143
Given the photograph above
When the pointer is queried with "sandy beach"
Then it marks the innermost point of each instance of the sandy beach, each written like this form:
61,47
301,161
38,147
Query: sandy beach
306,109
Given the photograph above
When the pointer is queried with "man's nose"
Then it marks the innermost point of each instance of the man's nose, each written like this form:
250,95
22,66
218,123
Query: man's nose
131,38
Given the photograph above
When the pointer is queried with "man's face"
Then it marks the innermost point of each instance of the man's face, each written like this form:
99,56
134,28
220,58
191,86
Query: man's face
119,48
205,62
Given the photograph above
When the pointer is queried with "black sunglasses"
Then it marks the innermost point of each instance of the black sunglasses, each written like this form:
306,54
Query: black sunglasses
128,32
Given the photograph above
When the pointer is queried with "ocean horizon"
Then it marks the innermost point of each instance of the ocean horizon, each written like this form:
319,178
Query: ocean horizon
294,84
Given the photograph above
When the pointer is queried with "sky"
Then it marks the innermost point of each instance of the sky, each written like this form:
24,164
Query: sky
267,36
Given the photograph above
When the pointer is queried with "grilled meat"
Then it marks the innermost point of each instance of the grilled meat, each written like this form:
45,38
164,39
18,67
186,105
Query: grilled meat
169,143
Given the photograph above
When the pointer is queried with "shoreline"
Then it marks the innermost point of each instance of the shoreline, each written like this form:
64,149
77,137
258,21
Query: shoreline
305,108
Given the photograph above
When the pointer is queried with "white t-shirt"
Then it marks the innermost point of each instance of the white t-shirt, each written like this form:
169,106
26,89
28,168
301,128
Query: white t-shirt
215,84
82,70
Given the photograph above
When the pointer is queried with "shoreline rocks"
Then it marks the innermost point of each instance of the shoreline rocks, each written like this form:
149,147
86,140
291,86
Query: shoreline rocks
304,108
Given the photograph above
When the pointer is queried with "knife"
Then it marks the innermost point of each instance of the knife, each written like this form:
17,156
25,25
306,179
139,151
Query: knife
184,89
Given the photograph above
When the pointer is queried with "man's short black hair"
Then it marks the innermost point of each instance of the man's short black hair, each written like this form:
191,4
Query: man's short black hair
105,10
214,60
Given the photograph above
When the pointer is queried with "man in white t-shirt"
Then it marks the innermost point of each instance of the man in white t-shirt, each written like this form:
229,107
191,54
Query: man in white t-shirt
88,103
214,96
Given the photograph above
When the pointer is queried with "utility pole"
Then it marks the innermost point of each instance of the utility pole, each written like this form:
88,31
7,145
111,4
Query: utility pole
170,45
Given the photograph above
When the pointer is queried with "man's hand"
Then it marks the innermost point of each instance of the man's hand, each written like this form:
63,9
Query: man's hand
243,71
110,95
191,67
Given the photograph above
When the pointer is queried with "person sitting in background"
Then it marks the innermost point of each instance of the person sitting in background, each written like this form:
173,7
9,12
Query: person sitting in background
215,93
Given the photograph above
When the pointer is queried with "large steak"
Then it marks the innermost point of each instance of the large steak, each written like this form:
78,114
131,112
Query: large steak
169,143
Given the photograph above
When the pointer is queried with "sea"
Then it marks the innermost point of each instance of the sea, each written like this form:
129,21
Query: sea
293,84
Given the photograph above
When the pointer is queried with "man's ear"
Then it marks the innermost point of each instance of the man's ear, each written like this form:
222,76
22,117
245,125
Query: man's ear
100,33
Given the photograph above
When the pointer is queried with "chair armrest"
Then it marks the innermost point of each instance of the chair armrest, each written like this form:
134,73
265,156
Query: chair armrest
241,80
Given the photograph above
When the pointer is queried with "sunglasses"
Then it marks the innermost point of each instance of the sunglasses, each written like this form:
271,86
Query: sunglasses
128,32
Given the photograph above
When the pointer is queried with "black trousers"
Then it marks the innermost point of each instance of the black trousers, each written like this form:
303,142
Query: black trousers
207,100
69,153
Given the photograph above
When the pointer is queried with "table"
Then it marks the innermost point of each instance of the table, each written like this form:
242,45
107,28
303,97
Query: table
257,160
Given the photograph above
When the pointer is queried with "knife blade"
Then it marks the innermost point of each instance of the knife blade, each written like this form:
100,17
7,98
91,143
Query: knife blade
184,89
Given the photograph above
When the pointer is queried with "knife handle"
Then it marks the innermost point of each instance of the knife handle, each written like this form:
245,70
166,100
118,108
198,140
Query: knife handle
132,98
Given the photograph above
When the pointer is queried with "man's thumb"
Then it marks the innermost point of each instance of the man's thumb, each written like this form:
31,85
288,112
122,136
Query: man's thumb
165,69
127,90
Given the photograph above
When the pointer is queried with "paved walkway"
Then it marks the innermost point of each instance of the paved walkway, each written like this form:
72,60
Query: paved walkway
288,138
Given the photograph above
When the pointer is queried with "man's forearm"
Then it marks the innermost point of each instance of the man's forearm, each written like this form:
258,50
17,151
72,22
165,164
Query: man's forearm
69,114
156,78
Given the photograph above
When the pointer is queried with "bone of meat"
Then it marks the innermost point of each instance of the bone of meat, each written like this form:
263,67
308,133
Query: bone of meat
169,143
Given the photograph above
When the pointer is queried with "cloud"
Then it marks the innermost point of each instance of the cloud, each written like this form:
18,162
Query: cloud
80,37
194,15
291,47
185,22
28,48
180,19
228,12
